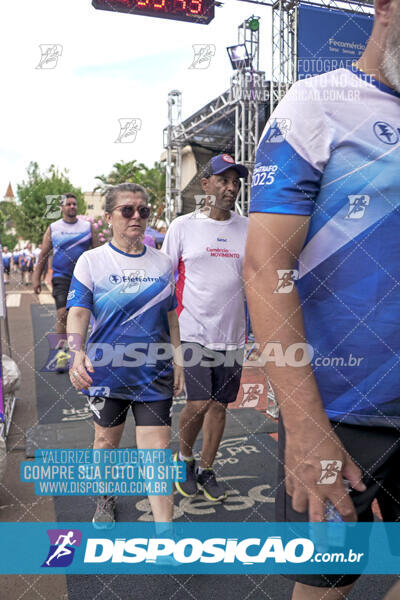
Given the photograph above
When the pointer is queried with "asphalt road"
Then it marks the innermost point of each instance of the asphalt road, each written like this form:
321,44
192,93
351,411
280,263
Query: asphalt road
249,475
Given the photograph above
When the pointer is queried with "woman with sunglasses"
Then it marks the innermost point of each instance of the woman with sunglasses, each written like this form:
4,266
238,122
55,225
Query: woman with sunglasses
129,289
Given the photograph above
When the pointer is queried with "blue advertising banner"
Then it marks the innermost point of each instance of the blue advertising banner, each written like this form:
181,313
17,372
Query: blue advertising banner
329,39
249,548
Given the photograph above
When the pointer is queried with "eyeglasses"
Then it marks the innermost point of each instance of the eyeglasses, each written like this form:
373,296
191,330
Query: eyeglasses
128,210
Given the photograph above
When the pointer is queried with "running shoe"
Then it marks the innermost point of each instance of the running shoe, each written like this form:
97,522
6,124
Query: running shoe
210,486
62,361
187,488
104,517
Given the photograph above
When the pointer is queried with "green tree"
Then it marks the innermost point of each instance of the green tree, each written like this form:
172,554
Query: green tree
8,235
35,210
122,172
152,178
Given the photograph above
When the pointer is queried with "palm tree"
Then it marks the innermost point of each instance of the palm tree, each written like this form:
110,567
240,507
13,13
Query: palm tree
154,182
122,172
153,179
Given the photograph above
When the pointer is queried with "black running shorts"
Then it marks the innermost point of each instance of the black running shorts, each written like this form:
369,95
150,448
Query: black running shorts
204,380
376,451
109,412
60,290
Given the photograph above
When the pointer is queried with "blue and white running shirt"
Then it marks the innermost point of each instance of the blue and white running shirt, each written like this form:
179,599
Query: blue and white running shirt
7,256
130,297
331,150
69,241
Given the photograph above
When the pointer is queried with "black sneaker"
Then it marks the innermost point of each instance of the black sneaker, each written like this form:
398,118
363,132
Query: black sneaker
104,517
210,486
187,488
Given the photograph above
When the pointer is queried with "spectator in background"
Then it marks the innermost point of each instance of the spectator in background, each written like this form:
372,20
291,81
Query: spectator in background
68,238
7,260
148,240
37,252
26,261
15,260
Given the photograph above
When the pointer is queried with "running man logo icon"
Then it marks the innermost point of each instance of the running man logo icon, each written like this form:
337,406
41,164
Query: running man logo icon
132,279
251,394
128,129
203,54
50,54
57,342
53,206
202,211
286,279
63,543
278,130
357,206
99,390
330,469
96,405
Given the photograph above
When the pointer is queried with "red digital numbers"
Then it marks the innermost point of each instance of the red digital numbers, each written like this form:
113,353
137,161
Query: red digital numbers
195,7
195,11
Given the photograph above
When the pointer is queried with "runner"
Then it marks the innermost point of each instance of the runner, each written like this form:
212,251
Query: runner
7,260
26,260
129,289
37,252
325,206
207,248
68,238
62,549
15,260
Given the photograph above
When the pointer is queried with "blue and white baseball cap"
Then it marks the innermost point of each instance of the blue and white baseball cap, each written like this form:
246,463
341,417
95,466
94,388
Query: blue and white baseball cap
218,164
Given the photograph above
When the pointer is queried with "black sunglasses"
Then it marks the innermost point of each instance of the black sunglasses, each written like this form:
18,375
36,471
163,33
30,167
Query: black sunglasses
128,210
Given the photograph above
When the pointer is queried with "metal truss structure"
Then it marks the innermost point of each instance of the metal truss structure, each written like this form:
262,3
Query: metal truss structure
173,197
240,109
250,100
245,107
284,39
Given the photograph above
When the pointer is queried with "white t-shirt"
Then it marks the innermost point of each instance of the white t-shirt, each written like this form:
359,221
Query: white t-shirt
36,253
208,255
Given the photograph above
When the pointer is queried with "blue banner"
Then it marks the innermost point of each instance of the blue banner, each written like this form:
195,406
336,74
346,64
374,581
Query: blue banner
220,548
129,472
329,39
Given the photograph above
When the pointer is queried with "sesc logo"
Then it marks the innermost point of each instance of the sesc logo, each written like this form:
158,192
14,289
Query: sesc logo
190,550
62,547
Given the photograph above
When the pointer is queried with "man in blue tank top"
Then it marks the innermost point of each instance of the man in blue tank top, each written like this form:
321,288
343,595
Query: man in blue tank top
68,238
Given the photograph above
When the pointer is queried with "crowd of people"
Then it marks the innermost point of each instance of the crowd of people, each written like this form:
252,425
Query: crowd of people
23,261
337,259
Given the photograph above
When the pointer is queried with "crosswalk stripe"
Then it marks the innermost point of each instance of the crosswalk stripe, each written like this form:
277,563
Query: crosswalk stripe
13,300
46,299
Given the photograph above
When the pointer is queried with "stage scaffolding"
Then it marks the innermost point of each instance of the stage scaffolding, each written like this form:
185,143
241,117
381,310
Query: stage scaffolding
246,99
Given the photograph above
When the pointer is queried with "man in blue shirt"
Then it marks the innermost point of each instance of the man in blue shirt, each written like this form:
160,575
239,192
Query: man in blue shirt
322,271
68,238
7,258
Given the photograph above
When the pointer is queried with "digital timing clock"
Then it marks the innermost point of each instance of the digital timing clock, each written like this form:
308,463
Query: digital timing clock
193,11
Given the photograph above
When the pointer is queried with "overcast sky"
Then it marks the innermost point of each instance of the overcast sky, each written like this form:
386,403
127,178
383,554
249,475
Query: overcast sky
112,66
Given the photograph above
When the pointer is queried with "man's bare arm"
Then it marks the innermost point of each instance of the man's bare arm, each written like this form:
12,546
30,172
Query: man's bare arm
274,242
47,247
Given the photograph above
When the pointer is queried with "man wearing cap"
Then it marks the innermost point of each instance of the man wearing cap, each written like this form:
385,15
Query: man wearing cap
207,248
